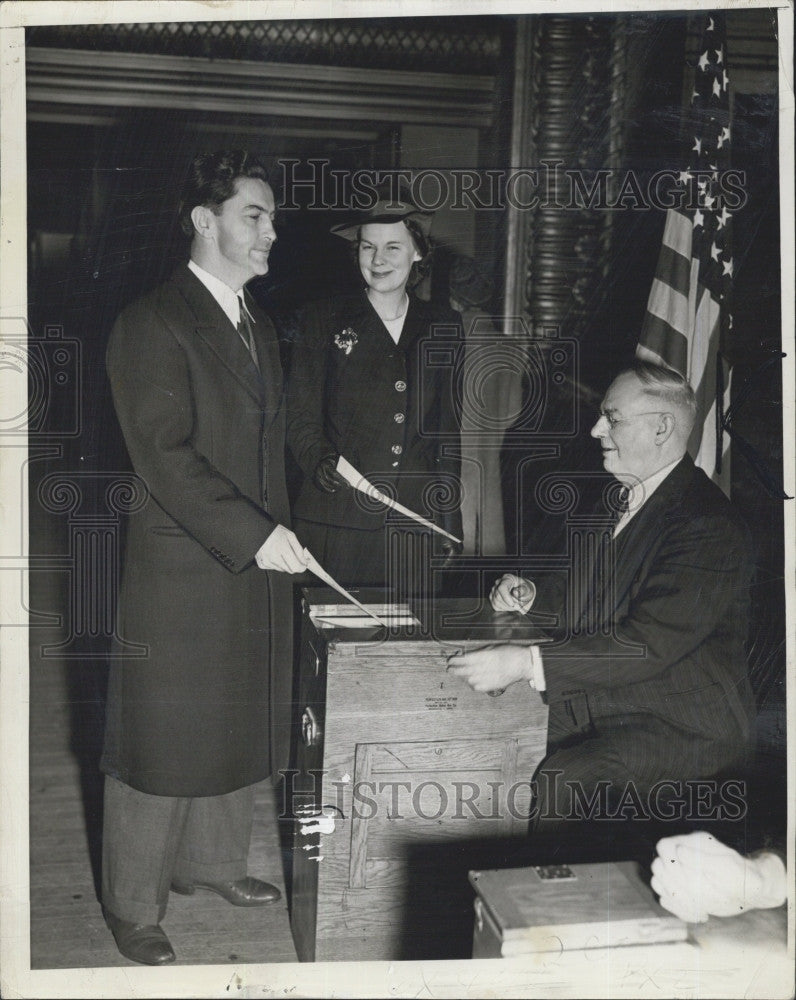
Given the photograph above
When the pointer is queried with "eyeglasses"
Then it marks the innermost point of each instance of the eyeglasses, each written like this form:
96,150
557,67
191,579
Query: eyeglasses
615,421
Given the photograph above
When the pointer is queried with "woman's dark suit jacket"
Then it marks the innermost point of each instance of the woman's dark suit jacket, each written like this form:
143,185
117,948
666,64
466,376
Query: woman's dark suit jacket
388,408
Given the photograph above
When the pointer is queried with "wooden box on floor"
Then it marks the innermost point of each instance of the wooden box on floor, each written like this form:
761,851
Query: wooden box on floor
407,779
554,908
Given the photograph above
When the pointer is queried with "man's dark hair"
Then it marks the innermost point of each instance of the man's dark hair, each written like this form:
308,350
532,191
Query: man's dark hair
211,181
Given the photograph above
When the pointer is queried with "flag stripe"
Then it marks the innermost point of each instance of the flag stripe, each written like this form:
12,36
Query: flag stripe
704,346
668,304
669,346
678,232
673,268
705,340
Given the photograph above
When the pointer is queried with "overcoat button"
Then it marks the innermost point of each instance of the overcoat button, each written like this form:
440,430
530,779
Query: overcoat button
400,386
397,449
399,418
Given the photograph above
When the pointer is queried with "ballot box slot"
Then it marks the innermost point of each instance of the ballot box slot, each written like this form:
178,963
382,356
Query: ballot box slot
337,615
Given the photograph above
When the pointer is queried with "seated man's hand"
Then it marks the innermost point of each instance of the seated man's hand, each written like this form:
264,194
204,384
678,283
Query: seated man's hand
513,593
282,552
326,477
696,876
492,668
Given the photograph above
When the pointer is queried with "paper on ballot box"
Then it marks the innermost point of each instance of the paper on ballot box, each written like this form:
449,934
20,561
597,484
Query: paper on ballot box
315,567
376,607
345,616
360,621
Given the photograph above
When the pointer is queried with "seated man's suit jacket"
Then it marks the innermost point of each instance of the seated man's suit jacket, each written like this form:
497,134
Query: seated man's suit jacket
670,622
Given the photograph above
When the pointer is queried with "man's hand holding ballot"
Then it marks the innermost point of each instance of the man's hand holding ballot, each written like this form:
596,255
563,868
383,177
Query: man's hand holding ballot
493,668
282,552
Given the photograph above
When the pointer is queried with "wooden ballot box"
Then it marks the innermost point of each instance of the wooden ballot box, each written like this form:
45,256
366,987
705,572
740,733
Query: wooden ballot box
407,778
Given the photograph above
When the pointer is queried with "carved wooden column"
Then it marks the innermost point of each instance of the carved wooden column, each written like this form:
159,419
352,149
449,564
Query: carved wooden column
568,79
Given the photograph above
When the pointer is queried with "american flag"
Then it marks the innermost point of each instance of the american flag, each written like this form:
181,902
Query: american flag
688,311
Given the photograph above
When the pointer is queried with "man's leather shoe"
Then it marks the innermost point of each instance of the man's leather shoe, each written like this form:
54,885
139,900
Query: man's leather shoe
244,892
145,943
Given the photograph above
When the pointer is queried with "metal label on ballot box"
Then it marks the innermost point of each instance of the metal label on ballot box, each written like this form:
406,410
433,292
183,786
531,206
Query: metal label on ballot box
409,778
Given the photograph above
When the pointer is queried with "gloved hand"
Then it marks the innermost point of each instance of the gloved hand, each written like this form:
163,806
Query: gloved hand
326,477
282,552
696,875
450,550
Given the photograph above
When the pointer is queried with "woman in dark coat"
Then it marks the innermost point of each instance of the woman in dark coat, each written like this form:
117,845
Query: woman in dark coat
371,381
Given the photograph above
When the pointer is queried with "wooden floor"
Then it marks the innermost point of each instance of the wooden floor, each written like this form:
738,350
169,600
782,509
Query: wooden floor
67,929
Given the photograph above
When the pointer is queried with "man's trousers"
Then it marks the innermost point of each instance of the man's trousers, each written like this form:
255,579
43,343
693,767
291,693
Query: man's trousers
612,788
151,840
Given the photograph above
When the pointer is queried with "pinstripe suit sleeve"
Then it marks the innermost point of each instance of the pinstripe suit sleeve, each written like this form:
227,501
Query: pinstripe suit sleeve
682,606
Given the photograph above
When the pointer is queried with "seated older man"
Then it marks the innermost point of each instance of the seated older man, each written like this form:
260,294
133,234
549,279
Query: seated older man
650,703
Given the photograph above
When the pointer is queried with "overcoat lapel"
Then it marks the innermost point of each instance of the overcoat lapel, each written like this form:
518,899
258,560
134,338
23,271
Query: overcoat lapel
215,329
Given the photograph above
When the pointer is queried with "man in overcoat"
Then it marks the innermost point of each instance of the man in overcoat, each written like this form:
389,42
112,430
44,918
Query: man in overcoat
204,713
648,687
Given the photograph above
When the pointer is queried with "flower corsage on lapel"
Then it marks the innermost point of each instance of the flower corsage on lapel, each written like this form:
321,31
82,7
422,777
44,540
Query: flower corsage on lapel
346,340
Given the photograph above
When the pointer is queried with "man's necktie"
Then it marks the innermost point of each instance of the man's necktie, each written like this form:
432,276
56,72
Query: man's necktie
622,503
246,335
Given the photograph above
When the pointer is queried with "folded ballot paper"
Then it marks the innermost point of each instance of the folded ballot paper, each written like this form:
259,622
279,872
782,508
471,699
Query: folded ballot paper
369,616
345,616
359,482
359,616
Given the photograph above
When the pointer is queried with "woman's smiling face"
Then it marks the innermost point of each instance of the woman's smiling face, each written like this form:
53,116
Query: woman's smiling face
386,254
